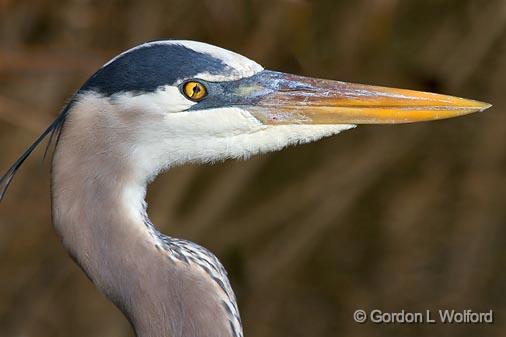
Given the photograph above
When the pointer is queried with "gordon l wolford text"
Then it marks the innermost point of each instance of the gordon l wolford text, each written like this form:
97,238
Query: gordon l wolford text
446,316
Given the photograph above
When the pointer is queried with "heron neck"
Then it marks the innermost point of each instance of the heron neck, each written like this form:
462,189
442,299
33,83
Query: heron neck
99,214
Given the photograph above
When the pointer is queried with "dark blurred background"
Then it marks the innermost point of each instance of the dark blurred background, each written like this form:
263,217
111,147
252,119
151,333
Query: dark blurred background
381,217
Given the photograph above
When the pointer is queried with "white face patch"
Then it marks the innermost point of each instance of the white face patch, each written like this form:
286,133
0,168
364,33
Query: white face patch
167,99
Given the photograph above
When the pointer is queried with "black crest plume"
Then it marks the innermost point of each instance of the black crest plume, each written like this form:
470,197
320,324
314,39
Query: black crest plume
53,131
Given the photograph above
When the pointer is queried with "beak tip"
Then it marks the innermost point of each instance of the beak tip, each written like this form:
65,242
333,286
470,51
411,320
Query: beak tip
480,107
473,106
485,106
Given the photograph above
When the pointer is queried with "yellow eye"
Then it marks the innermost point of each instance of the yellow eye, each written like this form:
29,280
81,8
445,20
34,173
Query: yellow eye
194,90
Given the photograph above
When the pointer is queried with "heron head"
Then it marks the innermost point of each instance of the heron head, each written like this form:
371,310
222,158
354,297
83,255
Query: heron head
179,101
168,102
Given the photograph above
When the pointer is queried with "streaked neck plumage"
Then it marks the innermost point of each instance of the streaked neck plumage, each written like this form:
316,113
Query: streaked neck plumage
166,287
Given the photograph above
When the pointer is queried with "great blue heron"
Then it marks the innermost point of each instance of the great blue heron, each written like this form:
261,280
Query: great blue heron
167,103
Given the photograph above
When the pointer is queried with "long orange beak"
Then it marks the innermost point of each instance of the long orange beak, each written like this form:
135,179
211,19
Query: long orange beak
290,99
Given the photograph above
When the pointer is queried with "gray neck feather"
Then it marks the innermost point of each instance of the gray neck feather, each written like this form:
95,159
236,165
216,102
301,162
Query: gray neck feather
166,287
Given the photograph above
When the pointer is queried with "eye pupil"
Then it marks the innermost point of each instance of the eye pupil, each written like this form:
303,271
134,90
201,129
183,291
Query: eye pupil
194,90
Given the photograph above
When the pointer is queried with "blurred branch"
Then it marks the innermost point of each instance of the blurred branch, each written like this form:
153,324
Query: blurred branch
21,116
164,196
31,61
221,195
325,211
488,25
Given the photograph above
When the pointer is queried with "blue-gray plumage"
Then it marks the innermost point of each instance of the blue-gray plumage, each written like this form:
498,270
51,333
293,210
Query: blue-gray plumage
151,67
168,103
